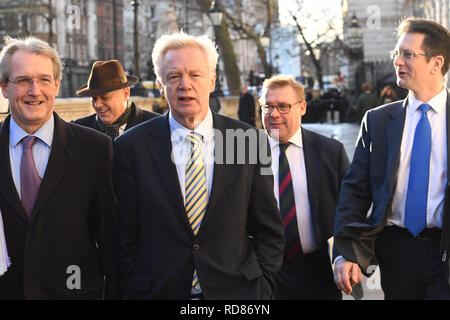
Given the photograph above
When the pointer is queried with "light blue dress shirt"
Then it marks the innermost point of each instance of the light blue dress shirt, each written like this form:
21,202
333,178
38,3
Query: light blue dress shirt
41,148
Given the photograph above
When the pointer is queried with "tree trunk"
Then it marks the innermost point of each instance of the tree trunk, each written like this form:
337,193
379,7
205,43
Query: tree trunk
229,60
312,55
226,51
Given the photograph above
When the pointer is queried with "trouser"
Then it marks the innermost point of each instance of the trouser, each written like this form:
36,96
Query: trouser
411,268
309,278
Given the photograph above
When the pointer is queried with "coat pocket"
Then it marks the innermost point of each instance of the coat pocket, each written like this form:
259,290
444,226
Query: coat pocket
251,270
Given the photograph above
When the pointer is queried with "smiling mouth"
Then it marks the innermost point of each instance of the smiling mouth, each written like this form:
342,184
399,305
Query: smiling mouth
33,103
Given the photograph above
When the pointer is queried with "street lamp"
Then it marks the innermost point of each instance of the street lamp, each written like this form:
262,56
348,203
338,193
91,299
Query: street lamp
355,38
216,16
267,45
356,53
265,40
138,89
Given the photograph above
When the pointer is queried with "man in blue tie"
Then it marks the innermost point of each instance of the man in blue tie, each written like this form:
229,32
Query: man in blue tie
400,169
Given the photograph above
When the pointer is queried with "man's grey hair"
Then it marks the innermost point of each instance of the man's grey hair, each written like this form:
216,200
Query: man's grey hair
31,45
182,40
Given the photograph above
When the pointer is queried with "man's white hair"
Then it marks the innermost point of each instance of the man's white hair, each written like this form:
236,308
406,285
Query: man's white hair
182,40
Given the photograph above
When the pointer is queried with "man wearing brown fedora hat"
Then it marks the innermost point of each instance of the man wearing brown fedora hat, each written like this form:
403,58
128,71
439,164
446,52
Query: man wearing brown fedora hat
109,89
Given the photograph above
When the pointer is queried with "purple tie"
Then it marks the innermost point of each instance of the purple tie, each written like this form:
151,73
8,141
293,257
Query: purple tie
29,178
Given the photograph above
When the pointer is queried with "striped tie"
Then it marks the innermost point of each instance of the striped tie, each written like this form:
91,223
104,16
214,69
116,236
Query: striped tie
293,247
196,193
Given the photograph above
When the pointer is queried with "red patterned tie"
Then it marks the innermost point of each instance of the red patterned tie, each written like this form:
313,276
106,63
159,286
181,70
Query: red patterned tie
288,211
29,178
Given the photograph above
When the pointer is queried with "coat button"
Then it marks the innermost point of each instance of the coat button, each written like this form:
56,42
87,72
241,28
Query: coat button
196,246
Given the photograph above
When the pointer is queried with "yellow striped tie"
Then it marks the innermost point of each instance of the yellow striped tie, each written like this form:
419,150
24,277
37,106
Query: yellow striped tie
196,193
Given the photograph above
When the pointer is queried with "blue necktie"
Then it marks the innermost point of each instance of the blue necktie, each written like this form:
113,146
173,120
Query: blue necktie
419,173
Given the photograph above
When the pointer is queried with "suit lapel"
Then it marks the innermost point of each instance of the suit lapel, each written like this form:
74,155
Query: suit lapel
7,186
135,117
311,153
160,146
446,214
59,160
448,134
395,125
220,171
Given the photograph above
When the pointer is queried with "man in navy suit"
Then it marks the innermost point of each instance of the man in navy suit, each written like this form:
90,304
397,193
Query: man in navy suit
400,169
310,183
197,219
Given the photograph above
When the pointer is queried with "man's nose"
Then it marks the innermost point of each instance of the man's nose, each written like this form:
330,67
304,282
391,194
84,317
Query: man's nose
185,82
34,88
96,102
398,60
275,113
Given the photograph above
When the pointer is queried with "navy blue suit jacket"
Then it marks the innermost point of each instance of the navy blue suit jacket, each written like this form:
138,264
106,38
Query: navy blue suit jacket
239,245
371,180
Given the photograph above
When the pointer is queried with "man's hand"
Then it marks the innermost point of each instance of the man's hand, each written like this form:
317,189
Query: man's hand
346,275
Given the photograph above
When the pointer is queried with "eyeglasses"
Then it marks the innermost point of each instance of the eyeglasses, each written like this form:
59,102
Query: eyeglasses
282,108
407,55
43,82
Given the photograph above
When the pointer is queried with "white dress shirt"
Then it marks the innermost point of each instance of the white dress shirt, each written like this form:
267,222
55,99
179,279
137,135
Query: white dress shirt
438,161
181,148
294,154
5,261
41,148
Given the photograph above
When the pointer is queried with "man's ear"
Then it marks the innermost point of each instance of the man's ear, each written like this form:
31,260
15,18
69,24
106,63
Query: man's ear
302,108
161,89
126,93
4,92
437,64
213,83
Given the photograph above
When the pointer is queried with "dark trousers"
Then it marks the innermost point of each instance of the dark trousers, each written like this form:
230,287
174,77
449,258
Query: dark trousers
411,268
310,278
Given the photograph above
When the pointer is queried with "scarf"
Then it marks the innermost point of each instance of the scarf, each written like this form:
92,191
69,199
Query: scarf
112,129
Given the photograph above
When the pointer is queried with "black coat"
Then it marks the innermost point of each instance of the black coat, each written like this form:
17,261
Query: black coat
72,223
157,248
137,116
246,110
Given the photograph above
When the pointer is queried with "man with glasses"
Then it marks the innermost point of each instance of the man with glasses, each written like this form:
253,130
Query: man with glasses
56,195
308,169
400,170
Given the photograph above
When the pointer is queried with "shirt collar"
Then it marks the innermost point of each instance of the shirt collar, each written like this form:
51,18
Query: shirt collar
44,133
296,139
204,128
437,103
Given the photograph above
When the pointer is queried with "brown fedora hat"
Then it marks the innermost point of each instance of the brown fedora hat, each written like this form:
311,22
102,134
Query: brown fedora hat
106,76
